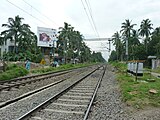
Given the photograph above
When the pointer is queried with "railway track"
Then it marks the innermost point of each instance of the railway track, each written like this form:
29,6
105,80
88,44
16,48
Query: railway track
8,84
29,80
14,110
74,102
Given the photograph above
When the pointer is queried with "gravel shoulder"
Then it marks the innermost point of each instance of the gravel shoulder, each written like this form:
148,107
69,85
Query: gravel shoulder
108,104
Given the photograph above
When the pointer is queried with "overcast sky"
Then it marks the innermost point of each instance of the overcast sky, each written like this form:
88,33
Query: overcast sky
107,15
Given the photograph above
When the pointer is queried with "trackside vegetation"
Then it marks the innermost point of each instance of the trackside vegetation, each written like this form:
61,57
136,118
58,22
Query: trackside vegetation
14,71
62,67
136,93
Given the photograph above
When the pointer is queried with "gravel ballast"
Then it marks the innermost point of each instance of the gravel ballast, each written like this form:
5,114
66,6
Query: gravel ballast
14,111
108,104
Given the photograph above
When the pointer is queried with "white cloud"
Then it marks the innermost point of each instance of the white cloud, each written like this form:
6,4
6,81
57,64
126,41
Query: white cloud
108,14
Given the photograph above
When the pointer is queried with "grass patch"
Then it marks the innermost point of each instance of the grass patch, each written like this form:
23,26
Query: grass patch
13,71
136,93
61,67
157,70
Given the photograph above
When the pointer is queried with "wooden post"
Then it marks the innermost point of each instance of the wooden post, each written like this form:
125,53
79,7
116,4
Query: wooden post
137,70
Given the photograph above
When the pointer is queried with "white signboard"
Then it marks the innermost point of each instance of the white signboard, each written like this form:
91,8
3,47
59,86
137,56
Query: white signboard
46,37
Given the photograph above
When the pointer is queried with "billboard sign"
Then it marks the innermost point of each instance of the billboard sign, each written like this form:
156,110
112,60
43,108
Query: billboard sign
46,37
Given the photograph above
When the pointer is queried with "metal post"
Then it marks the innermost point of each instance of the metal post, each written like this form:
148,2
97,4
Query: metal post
127,50
109,44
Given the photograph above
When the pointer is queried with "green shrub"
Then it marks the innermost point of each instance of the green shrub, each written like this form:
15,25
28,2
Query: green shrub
13,71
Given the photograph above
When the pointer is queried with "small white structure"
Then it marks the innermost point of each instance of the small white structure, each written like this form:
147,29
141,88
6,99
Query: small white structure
154,61
136,67
131,67
6,47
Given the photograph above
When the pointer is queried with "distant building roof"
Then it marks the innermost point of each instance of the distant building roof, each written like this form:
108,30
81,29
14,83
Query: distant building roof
152,57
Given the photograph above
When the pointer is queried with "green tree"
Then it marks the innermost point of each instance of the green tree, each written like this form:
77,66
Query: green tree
134,41
15,27
116,39
145,31
127,28
112,57
154,44
64,36
70,42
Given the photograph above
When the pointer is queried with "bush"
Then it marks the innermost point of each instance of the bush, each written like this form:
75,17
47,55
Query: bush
22,56
13,71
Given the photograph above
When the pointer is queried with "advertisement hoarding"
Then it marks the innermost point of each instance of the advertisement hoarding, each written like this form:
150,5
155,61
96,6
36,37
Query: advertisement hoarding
46,37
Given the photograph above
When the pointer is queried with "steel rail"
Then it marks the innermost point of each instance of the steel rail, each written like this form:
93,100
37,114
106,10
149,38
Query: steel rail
29,94
30,81
32,76
48,101
94,95
38,75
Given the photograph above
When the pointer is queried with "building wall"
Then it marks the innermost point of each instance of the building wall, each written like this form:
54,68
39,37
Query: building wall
5,47
155,63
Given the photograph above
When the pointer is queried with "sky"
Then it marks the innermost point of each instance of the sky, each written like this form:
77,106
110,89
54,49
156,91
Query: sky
96,19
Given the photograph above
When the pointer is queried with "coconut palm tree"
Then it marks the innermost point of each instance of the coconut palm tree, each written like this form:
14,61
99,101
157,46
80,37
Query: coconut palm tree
155,41
65,35
145,31
134,42
1,40
85,53
26,39
127,28
14,29
116,39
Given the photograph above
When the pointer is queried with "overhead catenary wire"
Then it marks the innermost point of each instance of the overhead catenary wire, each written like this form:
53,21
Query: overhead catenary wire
40,12
89,9
90,12
26,12
88,17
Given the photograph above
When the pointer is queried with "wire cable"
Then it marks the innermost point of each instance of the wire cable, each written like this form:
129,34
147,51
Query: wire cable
26,12
88,17
89,9
40,12
90,12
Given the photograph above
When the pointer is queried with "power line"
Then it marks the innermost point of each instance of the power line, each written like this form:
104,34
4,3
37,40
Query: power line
89,9
97,39
88,16
40,12
26,12
90,12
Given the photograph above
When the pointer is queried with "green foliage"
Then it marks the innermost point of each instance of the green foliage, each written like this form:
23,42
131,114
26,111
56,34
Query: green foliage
13,71
61,67
119,66
70,44
25,41
10,56
136,93
11,66
97,57
157,70
136,50
113,56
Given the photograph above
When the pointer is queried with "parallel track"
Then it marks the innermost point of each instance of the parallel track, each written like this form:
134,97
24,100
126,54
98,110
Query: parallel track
82,91
8,84
25,81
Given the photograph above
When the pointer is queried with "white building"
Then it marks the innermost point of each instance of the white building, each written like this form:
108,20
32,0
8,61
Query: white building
6,47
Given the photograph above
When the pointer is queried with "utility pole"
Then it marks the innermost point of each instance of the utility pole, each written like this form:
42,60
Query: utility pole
109,44
127,50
